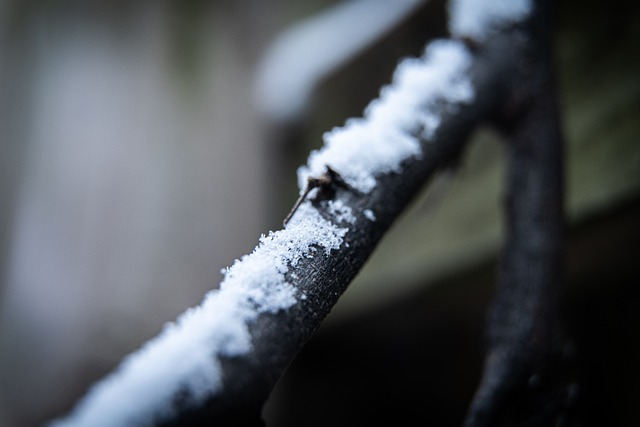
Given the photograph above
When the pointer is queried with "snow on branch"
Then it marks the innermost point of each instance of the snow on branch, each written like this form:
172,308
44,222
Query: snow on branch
184,358
272,300
407,111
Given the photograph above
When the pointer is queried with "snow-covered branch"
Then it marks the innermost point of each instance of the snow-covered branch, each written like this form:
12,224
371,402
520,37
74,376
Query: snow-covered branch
219,361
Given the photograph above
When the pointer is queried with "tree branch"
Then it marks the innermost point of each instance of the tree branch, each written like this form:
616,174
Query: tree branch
522,382
249,362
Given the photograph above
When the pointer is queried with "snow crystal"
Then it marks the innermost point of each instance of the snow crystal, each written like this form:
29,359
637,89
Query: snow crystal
477,19
309,51
386,135
184,358
341,212
368,213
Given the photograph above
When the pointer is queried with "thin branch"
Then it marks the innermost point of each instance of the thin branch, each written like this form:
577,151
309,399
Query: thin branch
278,296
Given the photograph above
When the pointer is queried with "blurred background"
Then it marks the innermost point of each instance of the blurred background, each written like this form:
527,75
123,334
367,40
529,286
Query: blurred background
145,144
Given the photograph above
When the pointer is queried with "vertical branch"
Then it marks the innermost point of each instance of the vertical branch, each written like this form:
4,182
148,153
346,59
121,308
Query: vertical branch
523,330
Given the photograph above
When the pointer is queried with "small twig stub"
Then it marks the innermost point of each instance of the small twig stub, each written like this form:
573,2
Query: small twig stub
325,184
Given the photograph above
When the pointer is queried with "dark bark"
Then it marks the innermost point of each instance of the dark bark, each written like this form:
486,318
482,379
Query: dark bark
524,380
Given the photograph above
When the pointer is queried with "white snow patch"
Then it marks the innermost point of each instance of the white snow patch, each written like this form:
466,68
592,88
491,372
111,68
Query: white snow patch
368,213
310,50
341,212
478,19
409,107
184,358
